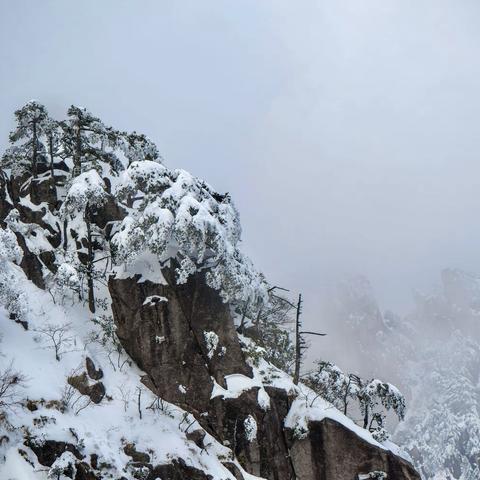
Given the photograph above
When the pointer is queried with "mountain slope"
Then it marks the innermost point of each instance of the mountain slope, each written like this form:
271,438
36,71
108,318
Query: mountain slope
121,281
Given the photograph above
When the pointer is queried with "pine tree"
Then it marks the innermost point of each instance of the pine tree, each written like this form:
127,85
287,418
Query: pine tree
86,193
138,147
374,395
53,141
332,384
27,150
375,398
89,143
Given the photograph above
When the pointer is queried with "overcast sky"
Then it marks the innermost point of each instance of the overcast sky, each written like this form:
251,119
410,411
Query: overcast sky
346,131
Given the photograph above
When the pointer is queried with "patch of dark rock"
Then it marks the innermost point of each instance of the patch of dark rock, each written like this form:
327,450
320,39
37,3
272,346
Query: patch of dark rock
96,392
197,437
234,470
138,457
23,323
84,472
94,460
177,470
93,372
49,450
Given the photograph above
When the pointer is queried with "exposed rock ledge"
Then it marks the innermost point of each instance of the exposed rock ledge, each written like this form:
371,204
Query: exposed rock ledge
166,339
333,452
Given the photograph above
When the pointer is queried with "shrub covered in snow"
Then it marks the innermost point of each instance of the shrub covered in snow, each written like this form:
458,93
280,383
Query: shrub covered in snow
211,339
87,190
175,215
374,397
65,282
250,427
335,386
11,296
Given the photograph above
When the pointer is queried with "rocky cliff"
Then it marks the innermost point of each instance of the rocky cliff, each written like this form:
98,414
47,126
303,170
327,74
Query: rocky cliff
329,450
156,382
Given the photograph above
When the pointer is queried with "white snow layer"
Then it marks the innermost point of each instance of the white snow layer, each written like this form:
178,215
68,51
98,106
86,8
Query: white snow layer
105,428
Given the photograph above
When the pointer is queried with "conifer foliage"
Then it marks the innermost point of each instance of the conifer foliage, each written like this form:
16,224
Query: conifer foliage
92,202
373,398
179,217
27,150
168,213
11,296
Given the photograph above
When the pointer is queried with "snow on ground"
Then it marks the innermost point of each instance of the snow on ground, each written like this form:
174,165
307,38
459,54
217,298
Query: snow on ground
16,468
146,265
105,428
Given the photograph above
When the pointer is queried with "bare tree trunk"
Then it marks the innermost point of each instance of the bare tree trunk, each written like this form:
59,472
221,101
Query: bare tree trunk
35,152
65,234
345,396
139,402
90,261
52,163
365,417
298,341
244,315
77,157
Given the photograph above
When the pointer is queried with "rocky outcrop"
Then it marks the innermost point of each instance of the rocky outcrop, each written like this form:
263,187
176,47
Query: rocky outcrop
34,200
333,452
95,391
163,329
169,342
167,330
93,372
48,451
177,470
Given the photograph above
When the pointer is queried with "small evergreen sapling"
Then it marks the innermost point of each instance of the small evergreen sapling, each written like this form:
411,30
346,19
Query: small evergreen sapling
374,395
332,384
89,143
65,283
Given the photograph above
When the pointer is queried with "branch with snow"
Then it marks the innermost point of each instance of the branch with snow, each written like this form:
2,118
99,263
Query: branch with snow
179,216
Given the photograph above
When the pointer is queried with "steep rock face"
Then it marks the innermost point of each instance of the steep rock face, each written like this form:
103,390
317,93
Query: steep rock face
184,338
332,452
163,328
34,200
164,331
267,455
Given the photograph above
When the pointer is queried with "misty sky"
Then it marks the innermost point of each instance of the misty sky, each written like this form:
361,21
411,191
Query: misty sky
346,131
